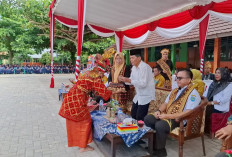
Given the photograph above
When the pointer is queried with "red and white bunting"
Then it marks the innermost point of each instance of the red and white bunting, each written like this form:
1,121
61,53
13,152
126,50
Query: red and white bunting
169,27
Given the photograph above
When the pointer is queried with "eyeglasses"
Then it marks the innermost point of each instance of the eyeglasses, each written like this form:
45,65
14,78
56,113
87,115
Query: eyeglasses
180,78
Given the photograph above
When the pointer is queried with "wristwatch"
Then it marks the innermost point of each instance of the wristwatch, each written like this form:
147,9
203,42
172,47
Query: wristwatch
212,103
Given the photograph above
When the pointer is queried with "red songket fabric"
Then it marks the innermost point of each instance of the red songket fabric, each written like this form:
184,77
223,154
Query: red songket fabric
74,106
219,120
79,133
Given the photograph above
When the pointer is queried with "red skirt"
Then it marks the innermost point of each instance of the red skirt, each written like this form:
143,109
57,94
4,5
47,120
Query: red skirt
79,133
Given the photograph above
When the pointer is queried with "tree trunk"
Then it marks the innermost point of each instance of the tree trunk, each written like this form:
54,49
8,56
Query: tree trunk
11,55
73,58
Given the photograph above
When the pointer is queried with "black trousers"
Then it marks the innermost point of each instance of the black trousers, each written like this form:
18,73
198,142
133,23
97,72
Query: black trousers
162,129
138,112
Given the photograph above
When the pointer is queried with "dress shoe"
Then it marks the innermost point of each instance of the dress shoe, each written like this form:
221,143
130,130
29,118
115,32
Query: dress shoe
160,152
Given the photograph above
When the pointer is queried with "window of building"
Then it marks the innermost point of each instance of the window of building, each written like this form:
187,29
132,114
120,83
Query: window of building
142,54
226,48
36,60
151,54
154,52
209,50
177,52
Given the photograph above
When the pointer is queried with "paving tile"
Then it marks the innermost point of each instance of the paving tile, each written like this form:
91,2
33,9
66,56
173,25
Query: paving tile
30,125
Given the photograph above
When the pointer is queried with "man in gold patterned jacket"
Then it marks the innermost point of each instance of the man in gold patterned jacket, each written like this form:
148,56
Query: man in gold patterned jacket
180,101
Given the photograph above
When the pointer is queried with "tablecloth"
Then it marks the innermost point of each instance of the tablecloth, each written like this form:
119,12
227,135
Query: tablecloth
102,126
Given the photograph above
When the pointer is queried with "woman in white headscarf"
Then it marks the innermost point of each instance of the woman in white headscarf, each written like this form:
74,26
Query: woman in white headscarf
120,69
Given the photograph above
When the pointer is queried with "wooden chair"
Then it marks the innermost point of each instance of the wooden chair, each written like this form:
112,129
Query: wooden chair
194,127
226,144
160,96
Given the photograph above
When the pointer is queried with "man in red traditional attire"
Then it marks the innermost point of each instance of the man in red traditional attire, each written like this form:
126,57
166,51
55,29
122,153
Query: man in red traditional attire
74,107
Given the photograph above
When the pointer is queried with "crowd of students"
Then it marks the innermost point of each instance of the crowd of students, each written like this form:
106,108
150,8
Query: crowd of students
36,69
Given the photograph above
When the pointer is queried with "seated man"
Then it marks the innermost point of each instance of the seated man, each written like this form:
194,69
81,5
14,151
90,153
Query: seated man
159,79
224,133
180,101
207,72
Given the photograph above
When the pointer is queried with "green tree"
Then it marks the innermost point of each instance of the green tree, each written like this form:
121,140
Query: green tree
45,59
65,37
14,34
25,29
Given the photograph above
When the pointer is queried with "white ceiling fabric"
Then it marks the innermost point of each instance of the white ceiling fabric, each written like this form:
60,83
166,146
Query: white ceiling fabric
120,15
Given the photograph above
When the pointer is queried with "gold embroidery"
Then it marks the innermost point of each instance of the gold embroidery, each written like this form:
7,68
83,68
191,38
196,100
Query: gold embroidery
93,74
122,72
85,79
169,123
165,67
178,106
82,89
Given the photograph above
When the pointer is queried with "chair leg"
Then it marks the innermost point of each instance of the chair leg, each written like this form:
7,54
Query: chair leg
181,144
203,144
181,149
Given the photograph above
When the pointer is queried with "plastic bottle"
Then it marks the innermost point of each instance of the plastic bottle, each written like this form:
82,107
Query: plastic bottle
120,115
101,107
62,87
108,114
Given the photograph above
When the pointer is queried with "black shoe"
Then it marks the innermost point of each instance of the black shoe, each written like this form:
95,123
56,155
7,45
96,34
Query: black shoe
141,142
160,152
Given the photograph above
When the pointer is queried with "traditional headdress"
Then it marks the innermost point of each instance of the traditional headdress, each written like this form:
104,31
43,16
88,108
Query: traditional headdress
165,50
108,53
208,65
95,62
100,63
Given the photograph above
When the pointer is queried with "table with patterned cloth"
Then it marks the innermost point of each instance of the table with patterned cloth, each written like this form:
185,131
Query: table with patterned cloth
61,94
102,126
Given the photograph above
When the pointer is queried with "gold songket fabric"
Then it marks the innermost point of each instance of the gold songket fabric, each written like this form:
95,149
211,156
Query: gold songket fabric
177,106
165,67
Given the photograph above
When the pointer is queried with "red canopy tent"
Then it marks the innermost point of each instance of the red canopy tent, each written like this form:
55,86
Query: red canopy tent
133,20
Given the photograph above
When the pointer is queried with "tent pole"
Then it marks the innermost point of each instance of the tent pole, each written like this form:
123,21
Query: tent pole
202,39
80,30
52,27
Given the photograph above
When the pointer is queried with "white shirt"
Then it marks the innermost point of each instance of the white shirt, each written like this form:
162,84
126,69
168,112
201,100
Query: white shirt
174,83
223,98
193,101
206,88
142,79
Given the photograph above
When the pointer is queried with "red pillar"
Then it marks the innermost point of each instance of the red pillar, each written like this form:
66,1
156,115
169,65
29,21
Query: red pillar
146,55
217,54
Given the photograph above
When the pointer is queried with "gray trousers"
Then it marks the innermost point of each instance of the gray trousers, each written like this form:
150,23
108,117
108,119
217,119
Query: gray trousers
221,154
162,129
